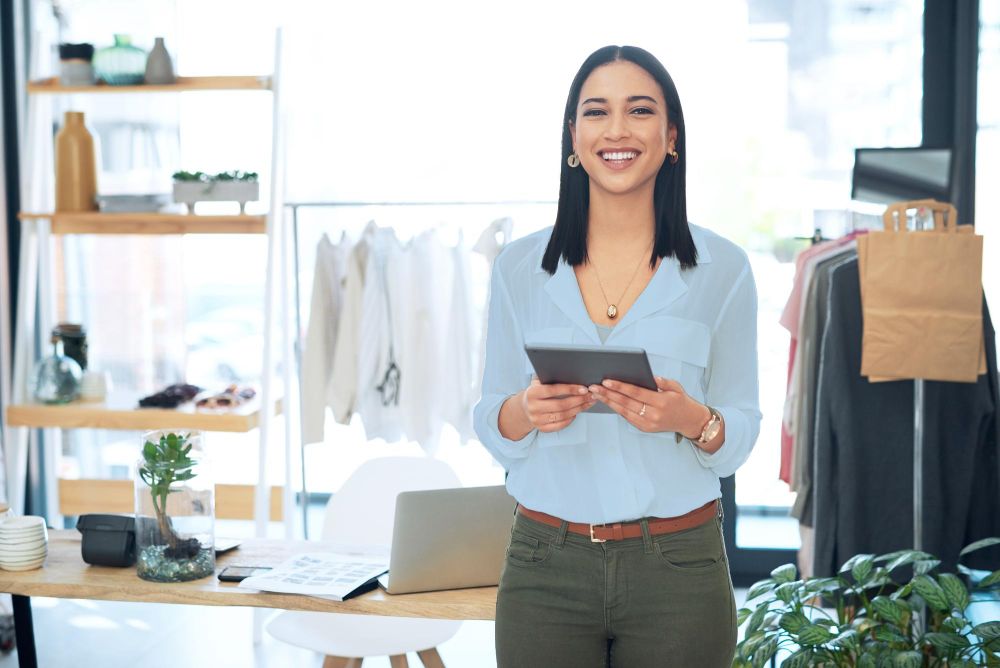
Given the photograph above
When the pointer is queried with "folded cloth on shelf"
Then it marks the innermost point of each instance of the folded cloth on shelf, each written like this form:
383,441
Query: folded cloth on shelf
171,396
231,397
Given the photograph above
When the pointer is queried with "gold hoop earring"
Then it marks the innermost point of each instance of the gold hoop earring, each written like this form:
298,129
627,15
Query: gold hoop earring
674,157
573,160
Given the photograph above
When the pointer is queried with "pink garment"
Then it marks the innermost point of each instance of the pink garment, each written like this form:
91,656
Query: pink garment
787,441
791,318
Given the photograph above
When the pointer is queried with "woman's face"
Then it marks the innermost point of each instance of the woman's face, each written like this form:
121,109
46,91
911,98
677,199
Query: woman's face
621,133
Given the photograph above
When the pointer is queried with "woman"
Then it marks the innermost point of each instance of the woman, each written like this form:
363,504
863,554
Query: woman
616,556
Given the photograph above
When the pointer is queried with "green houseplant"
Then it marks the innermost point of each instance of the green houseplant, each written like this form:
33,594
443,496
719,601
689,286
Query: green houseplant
867,619
175,509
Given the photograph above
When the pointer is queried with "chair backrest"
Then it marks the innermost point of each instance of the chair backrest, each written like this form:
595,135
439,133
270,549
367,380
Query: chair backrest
362,512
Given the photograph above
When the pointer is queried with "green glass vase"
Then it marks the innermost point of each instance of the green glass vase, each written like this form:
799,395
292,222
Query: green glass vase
122,64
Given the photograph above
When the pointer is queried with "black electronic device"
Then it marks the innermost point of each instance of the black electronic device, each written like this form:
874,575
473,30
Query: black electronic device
589,365
108,540
240,573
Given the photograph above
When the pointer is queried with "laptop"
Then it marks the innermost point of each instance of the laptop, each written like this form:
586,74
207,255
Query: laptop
449,539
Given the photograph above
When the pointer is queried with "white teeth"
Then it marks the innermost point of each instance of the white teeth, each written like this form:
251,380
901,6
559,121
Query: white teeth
625,155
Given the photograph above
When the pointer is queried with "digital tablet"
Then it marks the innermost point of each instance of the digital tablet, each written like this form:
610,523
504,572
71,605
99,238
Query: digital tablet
589,365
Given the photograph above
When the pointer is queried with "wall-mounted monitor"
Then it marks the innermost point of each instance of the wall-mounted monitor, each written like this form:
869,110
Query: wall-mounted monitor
887,175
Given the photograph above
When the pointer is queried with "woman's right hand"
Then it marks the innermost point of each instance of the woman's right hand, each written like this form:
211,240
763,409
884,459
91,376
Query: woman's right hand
553,407
546,408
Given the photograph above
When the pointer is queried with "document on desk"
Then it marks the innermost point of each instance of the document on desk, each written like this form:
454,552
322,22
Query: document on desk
331,575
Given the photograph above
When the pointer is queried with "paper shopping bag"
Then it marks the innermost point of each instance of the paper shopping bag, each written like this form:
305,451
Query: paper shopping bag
921,297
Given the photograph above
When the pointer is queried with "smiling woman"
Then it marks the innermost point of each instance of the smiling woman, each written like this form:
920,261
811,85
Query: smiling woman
627,565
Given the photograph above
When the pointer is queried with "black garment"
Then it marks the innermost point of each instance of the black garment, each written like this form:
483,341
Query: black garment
863,473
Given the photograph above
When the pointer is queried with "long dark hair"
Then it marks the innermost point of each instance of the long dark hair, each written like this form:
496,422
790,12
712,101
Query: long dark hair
672,236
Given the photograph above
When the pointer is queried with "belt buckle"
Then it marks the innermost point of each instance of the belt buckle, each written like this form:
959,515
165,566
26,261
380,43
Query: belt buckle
594,539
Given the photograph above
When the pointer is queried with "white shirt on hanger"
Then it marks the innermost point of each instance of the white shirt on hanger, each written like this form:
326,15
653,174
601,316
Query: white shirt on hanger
321,335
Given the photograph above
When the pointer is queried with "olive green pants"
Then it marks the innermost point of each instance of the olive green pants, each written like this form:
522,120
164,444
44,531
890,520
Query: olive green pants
662,600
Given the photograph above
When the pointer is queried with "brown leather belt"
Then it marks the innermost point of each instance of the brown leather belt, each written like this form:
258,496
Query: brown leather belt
600,533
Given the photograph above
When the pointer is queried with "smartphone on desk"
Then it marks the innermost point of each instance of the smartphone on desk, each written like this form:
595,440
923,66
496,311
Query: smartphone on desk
240,573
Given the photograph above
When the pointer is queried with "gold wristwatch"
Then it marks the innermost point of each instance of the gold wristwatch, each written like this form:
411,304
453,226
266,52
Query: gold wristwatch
709,431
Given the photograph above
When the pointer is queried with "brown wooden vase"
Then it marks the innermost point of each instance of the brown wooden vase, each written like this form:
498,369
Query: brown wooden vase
76,166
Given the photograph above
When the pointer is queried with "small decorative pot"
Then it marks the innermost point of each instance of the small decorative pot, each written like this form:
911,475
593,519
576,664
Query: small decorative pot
190,192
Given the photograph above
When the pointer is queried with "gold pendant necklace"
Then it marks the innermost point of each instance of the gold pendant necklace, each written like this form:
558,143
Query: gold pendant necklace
613,307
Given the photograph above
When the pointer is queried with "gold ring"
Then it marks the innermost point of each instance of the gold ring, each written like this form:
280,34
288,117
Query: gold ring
642,411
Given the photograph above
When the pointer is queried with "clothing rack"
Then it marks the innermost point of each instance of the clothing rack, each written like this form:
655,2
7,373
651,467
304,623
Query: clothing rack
295,206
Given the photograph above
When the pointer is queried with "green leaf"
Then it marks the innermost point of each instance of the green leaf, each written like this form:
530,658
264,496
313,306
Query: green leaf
847,639
947,641
955,624
801,659
751,643
866,661
902,592
908,557
767,650
814,634
757,618
862,568
793,622
978,545
931,592
149,451
816,585
987,630
850,563
923,566
741,615
989,580
910,659
786,592
954,590
785,573
888,633
759,588
889,610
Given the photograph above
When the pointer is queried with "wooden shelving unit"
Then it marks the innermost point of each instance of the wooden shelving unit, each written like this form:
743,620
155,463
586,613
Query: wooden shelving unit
149,223
121,411
52,85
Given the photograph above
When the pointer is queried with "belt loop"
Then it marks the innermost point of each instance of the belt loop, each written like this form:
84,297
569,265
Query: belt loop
647,539
561,535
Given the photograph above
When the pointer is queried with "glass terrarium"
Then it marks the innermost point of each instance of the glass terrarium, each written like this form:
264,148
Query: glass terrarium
174,508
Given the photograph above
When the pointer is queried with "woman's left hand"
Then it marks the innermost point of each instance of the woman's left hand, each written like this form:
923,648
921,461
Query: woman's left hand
669,408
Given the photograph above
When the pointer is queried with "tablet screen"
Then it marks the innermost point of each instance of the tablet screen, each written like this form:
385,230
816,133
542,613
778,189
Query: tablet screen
590,365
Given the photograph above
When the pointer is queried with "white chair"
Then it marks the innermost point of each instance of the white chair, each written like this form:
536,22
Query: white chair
362,513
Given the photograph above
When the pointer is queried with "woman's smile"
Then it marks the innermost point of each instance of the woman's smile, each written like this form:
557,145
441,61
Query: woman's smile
619,159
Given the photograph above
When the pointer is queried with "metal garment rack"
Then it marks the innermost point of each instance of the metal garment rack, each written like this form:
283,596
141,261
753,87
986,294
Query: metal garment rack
295,206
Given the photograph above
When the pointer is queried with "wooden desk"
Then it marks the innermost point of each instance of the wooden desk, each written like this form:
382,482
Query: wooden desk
65,575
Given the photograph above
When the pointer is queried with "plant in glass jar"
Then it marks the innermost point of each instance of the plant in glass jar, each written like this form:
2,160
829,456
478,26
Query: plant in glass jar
174,509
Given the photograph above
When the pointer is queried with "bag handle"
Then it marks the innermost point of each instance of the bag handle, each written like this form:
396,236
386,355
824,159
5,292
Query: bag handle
945,215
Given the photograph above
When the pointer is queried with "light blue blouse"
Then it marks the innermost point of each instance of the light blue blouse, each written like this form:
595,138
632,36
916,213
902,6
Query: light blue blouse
698,327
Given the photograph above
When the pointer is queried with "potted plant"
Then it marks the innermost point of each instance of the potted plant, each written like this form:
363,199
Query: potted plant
193,187
868,619
175,509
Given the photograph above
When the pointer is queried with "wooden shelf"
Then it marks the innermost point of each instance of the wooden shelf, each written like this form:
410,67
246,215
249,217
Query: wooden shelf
52,85
121,411
81,496
150,223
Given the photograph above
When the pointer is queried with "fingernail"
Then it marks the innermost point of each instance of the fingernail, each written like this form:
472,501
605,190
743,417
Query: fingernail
582,390
607,383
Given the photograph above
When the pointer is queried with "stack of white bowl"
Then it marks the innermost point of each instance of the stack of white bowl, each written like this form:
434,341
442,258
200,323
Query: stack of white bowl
23,543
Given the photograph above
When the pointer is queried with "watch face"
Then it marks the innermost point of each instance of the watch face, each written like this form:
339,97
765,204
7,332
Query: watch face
712,430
